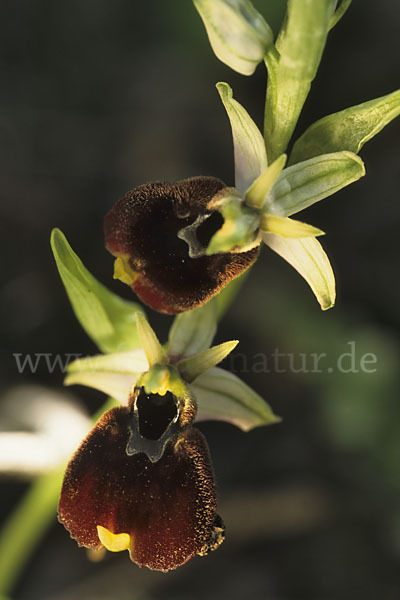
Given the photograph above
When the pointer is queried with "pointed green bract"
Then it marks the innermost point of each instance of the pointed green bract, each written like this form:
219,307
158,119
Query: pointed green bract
310,261
248,143
223,396
107,319
305,183
286,227
260,188
148,340
193,331
190,368
238,34
348,129
290,74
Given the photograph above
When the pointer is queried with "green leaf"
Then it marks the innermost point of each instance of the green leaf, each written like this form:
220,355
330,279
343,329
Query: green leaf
310,181
300,47
223,396
238,34
193,331
348,129
107,319
190,368
248,143
309,259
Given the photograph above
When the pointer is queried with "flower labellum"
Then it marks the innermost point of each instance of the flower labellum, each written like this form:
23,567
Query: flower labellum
142,479
171,273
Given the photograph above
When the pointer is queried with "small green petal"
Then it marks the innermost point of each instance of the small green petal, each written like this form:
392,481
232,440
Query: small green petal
305,183
260,188
190,368
289,228
193,331
348,129
309,259
248,143
223,396
107,319
149,342
238,34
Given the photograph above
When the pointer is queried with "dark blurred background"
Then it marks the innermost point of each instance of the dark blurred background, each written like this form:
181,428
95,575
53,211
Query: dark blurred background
98,97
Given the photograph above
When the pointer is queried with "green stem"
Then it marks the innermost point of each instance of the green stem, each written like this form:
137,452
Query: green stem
30,520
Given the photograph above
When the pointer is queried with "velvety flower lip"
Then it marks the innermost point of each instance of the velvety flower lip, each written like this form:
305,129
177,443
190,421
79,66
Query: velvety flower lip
163,512
142,229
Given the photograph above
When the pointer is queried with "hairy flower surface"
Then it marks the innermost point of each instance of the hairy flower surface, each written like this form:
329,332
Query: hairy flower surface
142,479
142,231
163,512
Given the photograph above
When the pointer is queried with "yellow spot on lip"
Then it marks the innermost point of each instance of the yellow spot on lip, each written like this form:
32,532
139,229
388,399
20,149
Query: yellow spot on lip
114,542
123,271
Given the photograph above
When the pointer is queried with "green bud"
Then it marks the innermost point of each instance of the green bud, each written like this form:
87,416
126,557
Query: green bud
238,34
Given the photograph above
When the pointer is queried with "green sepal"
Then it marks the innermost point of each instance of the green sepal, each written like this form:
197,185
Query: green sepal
222,396
348,129
307,256
248,143
107,319
310,181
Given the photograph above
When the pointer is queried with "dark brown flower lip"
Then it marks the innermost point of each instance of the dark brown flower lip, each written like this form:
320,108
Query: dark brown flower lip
166,509
142,230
